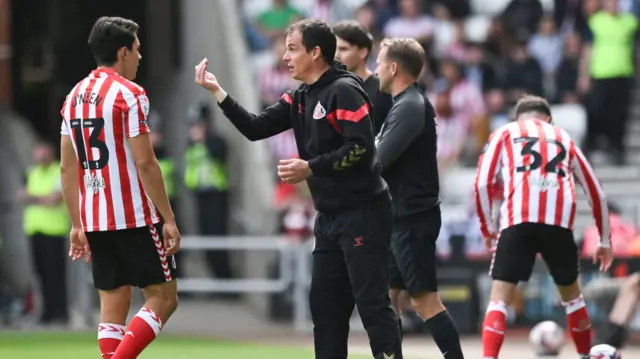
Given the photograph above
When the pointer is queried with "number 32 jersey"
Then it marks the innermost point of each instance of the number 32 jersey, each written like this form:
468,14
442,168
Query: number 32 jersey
535,163
100,114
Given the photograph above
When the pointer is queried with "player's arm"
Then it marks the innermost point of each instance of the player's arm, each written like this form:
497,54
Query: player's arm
70,188
145,158
486,177
403,125
350,114
270,122
585,175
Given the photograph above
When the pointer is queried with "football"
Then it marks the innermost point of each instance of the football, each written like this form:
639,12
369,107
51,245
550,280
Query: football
604,351
547,338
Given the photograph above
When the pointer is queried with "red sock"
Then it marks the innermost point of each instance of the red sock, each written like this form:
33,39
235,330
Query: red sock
109,337
579,324
142,330
493,329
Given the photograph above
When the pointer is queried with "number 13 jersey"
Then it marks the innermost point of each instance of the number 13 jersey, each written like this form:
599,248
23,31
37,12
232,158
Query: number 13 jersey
100,114
535,163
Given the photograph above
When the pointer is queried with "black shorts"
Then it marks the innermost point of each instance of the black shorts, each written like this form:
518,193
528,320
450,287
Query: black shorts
413,244
519,245
133,257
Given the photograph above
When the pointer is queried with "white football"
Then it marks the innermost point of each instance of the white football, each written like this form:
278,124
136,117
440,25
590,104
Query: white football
604,351
547,338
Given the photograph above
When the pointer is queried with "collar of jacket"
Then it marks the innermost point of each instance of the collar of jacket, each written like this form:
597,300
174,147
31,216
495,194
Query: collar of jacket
334,72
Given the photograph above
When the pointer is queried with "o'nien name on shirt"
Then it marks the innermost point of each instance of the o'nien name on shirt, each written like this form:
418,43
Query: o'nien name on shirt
89,98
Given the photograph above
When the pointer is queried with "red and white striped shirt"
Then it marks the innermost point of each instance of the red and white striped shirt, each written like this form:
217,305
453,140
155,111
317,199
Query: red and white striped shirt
100,114
535,163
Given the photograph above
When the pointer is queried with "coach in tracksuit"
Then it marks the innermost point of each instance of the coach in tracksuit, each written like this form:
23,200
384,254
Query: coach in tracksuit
407,153
329,114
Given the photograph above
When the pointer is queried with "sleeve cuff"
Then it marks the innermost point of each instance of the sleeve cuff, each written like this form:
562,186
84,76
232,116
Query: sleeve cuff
227,103
314,165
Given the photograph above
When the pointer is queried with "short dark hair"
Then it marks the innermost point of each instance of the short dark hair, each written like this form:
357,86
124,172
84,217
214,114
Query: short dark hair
408,53
316,33
110,34
530,103
355,34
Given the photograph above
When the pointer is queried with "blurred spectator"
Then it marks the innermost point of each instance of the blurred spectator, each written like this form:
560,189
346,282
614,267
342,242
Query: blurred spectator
206,178
446,33
608,73
477,70
297,210
366,16
47,224
275,80
452,131
567,75
455,49
330,11
466,98
458,9
587,8
546,48
497,41
467,104
523,74
622,235
496,109
521,18
384,11
275,20
283,146
256,41
569,16
411,23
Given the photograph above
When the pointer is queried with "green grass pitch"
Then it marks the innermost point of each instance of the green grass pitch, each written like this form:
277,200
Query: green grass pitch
84,346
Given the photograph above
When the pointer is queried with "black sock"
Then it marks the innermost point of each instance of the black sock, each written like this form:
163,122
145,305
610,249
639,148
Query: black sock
400,327
446,335
615,335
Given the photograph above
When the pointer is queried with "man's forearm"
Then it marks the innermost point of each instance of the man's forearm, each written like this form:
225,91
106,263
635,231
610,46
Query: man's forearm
153,183
70,195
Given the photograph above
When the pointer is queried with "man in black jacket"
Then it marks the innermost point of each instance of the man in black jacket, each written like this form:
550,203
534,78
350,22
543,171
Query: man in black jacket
353,48
407,154
329,113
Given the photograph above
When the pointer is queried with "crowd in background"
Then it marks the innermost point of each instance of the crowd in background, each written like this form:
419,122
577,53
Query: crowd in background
473,75
476,69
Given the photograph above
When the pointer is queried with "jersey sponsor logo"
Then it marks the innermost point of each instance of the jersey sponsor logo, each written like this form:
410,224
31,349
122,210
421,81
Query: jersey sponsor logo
93,183
319,112
547,183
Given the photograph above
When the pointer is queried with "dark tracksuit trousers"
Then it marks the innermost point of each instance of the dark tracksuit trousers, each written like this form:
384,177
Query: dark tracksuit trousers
50,265
213,210
350,269
608,113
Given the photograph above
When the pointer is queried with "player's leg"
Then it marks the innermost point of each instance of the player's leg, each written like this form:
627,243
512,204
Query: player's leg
330,298
560,252
512,262
413,244
623,311
365,238
113,287
152,271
